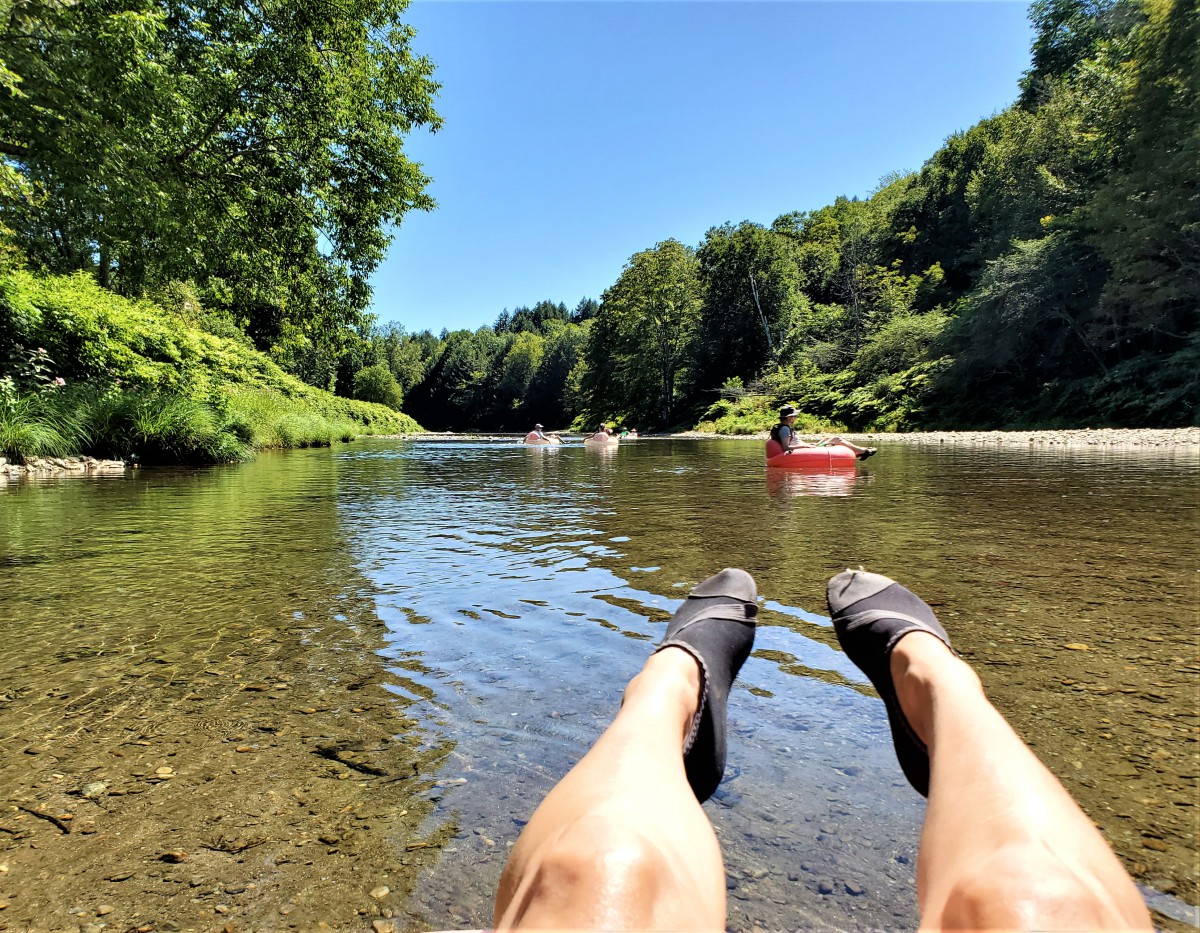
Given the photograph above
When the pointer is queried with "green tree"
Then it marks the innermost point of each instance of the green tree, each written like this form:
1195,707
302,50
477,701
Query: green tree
1026,330
752,300
547,398
1067,33
1145,219
377,384
646,325
514,373
254,150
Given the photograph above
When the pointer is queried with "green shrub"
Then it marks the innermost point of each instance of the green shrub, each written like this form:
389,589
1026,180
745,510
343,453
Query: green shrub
755,414
377,384
103,340
158,428
899,343
157,383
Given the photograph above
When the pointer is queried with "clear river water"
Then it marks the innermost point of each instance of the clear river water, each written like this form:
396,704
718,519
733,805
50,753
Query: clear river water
505,595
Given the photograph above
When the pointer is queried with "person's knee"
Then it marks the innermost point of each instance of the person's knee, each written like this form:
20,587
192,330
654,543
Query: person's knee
594,852
1023,887
595,868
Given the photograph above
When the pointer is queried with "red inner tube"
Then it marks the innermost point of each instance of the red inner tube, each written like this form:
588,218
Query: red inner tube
806,458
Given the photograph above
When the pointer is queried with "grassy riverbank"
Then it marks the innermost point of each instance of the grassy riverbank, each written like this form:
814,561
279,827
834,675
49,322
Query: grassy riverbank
89,372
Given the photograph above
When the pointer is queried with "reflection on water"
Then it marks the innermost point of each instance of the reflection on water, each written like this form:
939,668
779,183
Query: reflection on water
521,587
834,480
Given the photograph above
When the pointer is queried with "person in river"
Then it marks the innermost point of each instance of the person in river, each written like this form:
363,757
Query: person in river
603,435
536,436
622,842
784,439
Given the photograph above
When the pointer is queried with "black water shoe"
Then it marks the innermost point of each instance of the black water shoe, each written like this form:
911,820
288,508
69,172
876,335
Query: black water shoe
715,625
871,613
869,452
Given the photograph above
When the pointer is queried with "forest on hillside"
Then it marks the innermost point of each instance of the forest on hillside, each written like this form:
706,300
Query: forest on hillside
1042,268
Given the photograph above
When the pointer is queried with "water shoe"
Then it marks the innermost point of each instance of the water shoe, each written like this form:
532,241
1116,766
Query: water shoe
715,625
871,613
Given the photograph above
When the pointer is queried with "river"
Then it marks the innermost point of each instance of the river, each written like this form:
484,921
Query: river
492,600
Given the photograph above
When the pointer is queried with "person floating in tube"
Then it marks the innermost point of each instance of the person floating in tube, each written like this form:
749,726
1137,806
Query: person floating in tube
603,435
784,440
536,436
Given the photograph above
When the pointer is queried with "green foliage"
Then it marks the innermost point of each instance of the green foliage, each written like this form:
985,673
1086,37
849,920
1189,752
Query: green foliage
1145,219
640,342
752,299
264,419
256,153
1067,34
903,339
101,339
895,401
377,384
755,414
144,383
33,426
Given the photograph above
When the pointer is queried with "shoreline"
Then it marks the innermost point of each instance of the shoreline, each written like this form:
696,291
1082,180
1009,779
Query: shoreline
1144,438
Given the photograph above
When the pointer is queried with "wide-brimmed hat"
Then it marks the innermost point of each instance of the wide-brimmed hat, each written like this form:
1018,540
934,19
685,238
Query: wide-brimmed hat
787,411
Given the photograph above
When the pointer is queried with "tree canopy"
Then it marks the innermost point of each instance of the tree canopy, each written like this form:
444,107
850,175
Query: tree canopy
253,149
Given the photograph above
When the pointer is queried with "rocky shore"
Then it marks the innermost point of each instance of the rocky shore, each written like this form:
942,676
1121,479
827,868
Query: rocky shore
1085,437
58,466
1075,437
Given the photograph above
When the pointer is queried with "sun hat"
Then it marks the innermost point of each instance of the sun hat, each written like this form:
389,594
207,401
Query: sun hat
787,411
539,426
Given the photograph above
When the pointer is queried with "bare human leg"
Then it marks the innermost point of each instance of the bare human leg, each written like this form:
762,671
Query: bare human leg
861,452
1004,846
621,843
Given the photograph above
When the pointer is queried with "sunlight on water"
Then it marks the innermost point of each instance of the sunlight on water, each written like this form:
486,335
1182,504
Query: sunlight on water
520,588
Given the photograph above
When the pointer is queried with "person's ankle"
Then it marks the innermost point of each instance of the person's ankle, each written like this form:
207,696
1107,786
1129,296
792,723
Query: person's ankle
921,664
671,675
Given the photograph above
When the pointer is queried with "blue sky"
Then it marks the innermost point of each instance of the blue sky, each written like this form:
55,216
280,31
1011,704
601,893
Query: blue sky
578,133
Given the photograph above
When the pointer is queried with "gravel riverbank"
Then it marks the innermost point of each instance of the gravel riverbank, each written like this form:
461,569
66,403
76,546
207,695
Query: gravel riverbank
1084,437
1088,437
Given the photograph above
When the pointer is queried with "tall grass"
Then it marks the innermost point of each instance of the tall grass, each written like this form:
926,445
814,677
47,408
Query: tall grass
268,419
155,428
33,426
161,428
